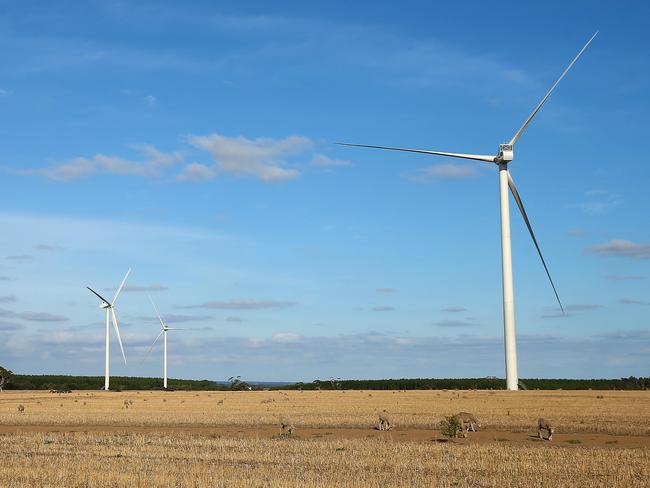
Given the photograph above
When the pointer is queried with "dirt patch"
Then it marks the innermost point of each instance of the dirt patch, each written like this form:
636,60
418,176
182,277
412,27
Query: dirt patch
573,440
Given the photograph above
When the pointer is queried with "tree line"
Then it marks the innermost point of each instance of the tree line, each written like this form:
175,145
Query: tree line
631,383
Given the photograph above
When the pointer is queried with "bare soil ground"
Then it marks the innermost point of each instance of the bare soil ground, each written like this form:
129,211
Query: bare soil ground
572,440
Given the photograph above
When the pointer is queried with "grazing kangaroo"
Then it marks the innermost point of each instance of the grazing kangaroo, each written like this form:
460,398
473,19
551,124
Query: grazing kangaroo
384,421
286,425
21,409
543,424
467,422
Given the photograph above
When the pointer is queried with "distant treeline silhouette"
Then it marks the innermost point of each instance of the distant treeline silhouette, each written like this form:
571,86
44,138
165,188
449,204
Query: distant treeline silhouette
63,382
631,383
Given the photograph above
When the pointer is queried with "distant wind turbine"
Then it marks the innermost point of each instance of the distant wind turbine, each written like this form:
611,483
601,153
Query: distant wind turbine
503,157
163,332
110,313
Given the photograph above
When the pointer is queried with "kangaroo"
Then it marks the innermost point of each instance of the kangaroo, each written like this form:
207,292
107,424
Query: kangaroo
543,424
467,422
286,425
384,421
21,409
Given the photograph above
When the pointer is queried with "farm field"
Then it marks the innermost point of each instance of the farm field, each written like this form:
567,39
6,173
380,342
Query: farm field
233,439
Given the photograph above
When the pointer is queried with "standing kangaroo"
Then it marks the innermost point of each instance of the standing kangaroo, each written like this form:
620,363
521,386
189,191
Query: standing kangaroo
543,424
467,422
384,421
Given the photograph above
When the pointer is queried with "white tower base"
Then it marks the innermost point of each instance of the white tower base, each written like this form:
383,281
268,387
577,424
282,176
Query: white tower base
512,378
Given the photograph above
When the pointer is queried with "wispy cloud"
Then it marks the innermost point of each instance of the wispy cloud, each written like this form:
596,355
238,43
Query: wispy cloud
454,309
599,202
150,100
631,301
576,232
383,308
7,299
10,326
175,318
624,277
620,247
152,164
5,93
20,258
262,158
242,304
33,316
569,310
443,171
140,288
286,337
454,323
197,172
48,247
324,161
266,159
235,320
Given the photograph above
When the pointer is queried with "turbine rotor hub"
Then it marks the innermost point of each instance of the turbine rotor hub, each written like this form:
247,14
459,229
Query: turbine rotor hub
505,154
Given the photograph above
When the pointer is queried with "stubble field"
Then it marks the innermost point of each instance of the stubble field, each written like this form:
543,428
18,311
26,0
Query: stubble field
233,439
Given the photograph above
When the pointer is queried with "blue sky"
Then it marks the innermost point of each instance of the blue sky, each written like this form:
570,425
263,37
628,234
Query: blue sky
194,141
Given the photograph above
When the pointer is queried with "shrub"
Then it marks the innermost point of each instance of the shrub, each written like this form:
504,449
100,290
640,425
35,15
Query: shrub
450,427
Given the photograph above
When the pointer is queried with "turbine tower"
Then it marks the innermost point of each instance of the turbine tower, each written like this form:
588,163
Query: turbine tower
163,332
503,157
110,313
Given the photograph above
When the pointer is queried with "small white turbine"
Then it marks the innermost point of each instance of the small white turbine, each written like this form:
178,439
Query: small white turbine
110,313
504,156
163,332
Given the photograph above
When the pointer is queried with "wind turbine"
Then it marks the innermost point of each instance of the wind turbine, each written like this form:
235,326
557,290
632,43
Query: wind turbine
504,156
163,332
110,313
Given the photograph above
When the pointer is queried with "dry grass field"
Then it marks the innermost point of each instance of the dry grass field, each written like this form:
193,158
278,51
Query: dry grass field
232,439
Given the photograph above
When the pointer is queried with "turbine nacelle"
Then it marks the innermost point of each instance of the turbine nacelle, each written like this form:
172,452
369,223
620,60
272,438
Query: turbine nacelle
104,305
505,154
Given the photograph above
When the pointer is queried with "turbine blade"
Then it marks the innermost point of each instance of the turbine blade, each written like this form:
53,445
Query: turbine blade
520,204
476,157
156,309
117,331
152,344
99,296
516,137
121,286
176,328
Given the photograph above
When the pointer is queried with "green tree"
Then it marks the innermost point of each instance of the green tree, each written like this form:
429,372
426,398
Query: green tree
5,377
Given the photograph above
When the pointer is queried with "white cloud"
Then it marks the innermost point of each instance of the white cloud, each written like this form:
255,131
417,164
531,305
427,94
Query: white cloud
197,172
454,309
322,160
387,290
243,304
383,308
620,247
600,202
286,337
443,171
631,301
556,312
266,159
624,277
151,100
263,158
140,288
154,163
454,323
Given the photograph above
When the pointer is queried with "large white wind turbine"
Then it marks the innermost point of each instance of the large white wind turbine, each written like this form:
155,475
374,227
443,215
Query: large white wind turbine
163,332
502,158
110,314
